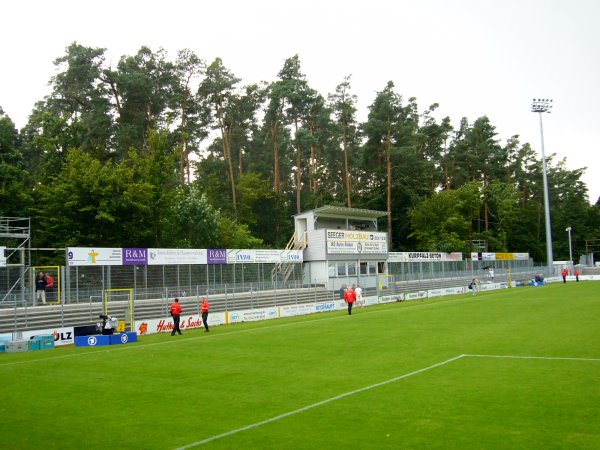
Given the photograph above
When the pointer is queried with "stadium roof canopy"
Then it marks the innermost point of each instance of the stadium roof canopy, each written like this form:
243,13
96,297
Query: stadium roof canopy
347,213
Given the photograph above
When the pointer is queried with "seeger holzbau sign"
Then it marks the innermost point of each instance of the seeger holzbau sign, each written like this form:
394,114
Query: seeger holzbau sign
348,241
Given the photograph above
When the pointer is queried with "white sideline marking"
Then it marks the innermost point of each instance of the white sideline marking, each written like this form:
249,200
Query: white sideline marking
373,386
314,405
558,358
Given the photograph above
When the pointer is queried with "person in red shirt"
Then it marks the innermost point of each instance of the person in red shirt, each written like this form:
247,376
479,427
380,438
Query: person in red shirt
204,306
350,298
564,274
175,313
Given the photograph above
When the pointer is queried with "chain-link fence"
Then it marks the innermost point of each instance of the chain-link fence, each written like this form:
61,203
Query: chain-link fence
85,284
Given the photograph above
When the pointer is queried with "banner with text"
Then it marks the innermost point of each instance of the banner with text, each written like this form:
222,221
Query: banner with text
499,256
99,256
356,242
129,256
399,257
165,325
62,336
173,256
252,315
235,256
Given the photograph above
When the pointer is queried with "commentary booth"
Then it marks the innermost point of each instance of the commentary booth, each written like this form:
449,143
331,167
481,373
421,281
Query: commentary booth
342,246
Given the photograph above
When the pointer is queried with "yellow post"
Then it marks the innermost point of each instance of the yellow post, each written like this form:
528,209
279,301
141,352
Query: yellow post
129,291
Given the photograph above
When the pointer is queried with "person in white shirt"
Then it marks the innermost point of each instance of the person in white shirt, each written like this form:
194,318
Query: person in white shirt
359,298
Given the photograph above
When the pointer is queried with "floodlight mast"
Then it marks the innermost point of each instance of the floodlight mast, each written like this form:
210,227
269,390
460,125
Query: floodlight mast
568,230
542,105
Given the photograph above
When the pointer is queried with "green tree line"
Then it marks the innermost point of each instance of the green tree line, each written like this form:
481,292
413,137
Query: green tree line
160,152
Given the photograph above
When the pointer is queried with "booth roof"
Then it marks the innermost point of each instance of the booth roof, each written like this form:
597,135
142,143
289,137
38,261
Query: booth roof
345,213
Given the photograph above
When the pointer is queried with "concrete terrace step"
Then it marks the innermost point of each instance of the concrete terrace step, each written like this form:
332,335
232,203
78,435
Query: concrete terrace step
55,316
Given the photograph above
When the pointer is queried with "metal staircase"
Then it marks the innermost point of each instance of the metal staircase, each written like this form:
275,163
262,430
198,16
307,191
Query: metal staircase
282,271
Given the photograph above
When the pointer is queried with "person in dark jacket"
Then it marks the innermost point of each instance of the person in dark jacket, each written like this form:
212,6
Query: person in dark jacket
40,287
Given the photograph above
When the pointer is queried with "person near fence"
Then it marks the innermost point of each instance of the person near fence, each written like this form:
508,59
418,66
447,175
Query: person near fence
176,313
564,274
40,287
359,297
350,298
577,275
474,286
204,306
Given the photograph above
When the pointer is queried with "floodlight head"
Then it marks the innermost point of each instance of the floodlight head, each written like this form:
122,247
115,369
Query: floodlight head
541,105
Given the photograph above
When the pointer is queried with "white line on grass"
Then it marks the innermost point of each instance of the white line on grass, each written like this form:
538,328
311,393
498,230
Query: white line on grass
314,405
558,358
373,386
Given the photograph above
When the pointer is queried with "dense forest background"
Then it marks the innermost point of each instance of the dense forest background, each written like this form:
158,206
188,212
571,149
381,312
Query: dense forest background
157,152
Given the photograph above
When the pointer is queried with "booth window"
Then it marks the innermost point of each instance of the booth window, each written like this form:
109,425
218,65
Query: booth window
372,268
364,268
331,269
341,269
351,269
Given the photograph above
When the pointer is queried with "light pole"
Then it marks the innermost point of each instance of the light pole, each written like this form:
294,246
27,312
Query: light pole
541,106
570,248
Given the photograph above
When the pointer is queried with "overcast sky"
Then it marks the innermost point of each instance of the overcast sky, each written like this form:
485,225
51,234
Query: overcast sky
473,57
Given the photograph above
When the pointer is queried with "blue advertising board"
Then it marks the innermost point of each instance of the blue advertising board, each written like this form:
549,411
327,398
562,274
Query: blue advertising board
94,340
123,338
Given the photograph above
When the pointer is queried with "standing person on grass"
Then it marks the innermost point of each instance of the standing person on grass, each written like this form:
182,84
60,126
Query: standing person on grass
564,274
176,313
204,306
350,298
359,298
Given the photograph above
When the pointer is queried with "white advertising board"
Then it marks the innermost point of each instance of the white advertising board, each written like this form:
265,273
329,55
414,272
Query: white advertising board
390,298
297,310
62,336
253,315
356,242
400,257
2,257
171,256
236,256
99,256
165,324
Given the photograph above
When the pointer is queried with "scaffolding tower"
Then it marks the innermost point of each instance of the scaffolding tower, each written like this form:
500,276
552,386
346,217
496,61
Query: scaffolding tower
15,259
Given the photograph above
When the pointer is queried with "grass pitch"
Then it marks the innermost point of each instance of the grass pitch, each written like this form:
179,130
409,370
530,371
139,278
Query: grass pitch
515,368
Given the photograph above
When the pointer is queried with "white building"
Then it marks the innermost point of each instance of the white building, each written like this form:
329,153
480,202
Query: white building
342,246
